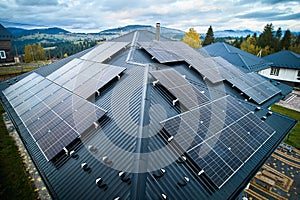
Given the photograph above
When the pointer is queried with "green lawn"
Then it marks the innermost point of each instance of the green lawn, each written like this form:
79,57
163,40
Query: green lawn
14,181
294,136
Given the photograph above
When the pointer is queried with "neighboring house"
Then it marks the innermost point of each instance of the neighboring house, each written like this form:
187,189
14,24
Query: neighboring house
285,67
6,53
137,118
247,62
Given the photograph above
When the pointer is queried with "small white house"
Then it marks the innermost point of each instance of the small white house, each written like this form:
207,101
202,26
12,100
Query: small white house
285,67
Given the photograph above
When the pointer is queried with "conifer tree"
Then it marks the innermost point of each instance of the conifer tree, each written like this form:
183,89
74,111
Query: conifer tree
209,38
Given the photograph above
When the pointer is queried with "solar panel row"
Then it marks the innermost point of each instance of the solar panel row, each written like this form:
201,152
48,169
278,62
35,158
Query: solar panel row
85,77
214,69
187,94
53,116
219,136
254,86
104,51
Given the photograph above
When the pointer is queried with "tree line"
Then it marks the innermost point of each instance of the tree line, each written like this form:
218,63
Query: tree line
268,42
35,52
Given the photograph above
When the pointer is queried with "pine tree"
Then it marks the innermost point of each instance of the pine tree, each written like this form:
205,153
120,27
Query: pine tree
286,40
266,38
209,38
192,38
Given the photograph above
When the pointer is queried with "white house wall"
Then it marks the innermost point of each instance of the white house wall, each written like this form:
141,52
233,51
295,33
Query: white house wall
284,74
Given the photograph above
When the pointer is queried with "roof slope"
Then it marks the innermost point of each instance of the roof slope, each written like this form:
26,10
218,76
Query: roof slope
284,59
130,151
246,61
5,34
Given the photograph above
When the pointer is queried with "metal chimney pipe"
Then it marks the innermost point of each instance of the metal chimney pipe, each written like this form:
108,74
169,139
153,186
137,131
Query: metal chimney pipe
157,35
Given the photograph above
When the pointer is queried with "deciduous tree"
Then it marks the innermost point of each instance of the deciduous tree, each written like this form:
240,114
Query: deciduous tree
192,38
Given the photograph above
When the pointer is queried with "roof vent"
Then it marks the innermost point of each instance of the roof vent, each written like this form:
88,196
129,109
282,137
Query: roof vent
184,182
157,35
164,196
257,108
99,182
85,166
107,161
92,149
122,175
263,118
160,173
117,198
174,101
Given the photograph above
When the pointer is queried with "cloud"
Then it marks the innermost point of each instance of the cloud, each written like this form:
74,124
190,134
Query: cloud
36,3
270,15
95,16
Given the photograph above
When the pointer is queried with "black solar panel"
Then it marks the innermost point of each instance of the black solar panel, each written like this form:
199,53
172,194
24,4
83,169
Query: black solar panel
219,136
187,94
255,87
84,77
53,116
104,51
214,69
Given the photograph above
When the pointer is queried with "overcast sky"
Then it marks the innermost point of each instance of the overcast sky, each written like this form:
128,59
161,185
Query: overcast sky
94,16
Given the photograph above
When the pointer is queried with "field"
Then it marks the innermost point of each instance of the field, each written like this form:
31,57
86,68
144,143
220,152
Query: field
294,136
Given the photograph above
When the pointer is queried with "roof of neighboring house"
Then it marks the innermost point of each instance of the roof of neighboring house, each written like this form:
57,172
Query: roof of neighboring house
246,61
138,149
284,59
5,34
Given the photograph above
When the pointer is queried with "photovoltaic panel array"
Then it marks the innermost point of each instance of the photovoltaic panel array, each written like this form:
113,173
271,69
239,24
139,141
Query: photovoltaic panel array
104,51
187,95
84,77
162,51
219,136
255,86
210,67
53,116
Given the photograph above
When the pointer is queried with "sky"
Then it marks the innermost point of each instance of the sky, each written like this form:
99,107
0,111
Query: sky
94,16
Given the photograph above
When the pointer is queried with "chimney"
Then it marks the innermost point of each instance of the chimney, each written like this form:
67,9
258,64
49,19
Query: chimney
157,36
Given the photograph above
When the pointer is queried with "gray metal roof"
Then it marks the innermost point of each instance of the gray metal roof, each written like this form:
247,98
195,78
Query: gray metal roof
284,59
130,132
244,60
5,34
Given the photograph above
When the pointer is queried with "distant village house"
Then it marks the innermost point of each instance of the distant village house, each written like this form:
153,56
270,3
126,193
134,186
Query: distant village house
6,53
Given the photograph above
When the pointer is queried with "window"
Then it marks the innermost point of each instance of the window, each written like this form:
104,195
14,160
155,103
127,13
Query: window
274,71
2,55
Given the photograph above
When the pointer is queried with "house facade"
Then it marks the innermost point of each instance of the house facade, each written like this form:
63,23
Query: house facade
285,67
6,53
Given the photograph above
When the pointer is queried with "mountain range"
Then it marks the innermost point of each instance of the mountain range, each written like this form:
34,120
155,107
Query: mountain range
167,32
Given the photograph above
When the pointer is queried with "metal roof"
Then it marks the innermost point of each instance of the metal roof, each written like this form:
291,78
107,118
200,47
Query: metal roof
284,59
244,60
5,34
122,162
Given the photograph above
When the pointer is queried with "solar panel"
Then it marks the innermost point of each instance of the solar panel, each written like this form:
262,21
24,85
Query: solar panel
104,51
53,116
209,67
255,87
85,77
162,51
219,136
180,88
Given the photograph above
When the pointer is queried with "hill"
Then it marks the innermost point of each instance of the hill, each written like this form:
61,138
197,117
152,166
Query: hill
19,32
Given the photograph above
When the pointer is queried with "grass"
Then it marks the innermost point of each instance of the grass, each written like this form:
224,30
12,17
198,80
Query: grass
13,70
14,181
293,138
